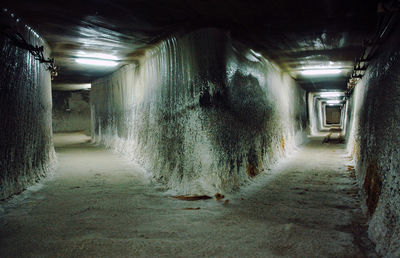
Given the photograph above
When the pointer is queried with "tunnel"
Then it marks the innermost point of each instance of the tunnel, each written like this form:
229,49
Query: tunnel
200,128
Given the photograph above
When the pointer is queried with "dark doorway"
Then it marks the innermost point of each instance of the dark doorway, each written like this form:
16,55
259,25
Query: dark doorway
333,115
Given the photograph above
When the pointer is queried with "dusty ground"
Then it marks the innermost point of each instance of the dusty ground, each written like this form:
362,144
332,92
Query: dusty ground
100,205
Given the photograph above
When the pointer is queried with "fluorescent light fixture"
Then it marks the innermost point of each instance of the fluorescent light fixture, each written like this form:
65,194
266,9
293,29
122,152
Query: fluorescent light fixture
97,56
99,62
333,101
255,53
321,72
330,94
98,59
70,86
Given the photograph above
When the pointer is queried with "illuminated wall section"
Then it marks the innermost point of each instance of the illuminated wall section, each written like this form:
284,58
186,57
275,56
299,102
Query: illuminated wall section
200,113
26,139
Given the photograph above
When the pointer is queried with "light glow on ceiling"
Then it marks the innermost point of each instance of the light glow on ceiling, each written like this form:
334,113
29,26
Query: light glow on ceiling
255,53
98,59
331,94
99,62
321,72
70,86
333,101
97,56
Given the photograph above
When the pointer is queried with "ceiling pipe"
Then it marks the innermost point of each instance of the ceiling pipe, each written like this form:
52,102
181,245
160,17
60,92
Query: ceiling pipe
370,47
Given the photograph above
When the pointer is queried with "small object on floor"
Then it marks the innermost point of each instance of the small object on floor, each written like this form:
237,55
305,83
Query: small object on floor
327,138
219,196
191,198
226,202
191,209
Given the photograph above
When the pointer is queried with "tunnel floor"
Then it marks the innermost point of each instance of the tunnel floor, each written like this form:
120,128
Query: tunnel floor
100,205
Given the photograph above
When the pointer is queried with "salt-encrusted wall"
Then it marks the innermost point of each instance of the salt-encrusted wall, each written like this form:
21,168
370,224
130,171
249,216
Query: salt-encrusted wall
374,143
314,114
200,112
71,111
26,143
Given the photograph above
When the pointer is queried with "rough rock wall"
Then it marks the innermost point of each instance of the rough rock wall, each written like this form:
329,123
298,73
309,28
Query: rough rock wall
71,111
200,112
374,143
349,134
26,143
314,114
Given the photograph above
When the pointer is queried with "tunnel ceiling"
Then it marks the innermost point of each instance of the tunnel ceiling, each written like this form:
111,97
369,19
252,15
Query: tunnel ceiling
291,33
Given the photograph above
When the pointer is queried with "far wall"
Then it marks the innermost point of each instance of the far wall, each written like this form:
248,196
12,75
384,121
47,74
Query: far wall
71,111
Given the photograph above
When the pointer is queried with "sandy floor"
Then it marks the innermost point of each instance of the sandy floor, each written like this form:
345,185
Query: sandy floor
100,205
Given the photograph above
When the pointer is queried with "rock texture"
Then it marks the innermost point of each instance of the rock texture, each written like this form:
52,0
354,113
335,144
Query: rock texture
26,146
200,112
314,114
71,111
374,144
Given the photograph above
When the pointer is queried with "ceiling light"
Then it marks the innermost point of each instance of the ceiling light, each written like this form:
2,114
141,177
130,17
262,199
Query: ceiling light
333,101
99,62
96,56
321,72
70,86
331,94
255,53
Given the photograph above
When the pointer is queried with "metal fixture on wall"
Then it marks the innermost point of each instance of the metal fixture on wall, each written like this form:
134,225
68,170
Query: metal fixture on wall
386,19
37,51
